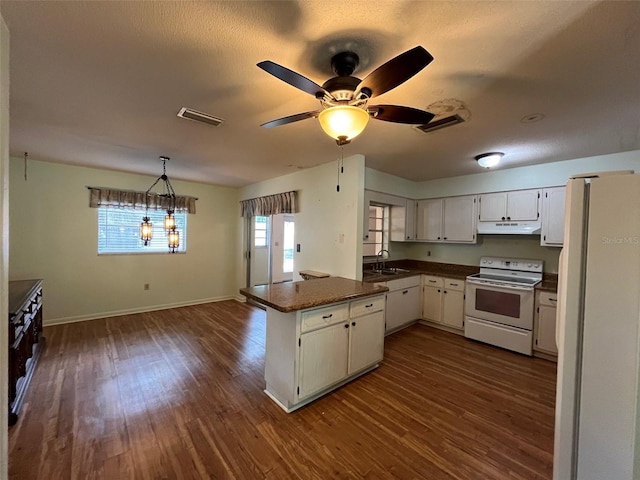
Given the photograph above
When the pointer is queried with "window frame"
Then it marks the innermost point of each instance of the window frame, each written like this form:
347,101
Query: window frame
384,244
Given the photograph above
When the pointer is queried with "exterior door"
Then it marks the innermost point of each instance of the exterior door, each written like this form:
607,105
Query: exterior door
259,251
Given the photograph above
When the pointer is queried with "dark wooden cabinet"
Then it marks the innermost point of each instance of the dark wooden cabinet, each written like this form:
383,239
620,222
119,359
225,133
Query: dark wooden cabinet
25,339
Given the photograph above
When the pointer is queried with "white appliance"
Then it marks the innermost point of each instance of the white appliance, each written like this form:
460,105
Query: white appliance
499,302
510,228
597,429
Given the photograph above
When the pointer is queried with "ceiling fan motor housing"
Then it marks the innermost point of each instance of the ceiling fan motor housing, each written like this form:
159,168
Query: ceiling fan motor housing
341,88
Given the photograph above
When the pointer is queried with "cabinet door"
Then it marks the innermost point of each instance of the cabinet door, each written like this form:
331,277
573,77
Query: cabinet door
459,219
410,221
429,220
453,308
493,207
323,358
546,333
403,306
366,341
432,304
523,205
553,216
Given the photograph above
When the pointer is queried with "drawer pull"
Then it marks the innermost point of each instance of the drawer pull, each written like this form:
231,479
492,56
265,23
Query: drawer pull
369,306
553,300
432,281
327,316
453,284
405,292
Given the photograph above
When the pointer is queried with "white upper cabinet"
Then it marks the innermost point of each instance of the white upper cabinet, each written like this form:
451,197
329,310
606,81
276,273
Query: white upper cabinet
451,219
429,220
553,216
402,222
460,219
515,206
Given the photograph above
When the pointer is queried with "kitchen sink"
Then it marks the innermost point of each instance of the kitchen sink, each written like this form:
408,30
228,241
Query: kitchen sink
389,271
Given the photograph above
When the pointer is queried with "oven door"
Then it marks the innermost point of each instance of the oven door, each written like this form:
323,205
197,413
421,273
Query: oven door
506,304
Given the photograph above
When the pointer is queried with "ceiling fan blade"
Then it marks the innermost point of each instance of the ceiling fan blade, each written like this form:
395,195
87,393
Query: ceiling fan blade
398,114
290,119
396,71
293,78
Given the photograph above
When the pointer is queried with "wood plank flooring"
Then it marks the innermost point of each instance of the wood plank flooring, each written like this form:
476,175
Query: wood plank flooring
178,394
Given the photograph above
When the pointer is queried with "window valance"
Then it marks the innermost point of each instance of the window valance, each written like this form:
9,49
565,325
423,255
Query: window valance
111,198
270,205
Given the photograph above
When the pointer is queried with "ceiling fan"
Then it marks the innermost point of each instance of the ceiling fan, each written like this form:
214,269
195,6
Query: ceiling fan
344,98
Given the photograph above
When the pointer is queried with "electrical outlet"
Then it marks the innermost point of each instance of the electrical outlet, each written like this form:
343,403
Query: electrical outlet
428,253
146,286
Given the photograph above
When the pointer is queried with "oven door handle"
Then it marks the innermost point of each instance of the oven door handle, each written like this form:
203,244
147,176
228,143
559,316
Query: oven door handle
500,285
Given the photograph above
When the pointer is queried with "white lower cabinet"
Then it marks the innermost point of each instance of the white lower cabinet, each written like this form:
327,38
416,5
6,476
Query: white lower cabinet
311,352
545,323
403,302
443,301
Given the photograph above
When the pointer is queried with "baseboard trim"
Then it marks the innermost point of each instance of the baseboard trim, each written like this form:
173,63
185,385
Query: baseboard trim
119,313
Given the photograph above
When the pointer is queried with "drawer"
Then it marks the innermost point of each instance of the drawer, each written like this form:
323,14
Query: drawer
367,305
323,317
548,298
403,283
430,281
451,284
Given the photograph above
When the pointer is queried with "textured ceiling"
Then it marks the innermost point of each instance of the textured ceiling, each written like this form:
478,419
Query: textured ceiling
100,83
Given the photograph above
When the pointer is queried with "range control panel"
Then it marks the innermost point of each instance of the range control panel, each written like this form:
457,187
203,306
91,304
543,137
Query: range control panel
512,264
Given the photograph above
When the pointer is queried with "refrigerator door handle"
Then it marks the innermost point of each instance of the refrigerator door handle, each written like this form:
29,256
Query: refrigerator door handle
560,294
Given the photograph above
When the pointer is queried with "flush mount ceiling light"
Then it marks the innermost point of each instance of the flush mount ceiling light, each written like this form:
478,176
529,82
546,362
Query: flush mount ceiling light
344,98
489,160
146,227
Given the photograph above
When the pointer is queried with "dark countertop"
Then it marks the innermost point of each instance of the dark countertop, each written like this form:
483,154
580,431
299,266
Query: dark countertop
417,267
549,283
293,296
450,270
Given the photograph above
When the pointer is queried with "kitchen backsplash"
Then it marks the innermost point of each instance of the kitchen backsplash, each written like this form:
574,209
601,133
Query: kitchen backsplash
518,246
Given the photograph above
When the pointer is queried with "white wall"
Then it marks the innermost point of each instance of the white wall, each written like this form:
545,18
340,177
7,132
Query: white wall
546,175
54,236
328,223
4,233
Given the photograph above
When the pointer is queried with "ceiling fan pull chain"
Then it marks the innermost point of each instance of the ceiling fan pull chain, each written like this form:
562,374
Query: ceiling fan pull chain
340,166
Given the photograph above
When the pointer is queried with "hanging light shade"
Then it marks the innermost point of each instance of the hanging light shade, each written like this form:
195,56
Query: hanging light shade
169,221
146,230
174,240
343,122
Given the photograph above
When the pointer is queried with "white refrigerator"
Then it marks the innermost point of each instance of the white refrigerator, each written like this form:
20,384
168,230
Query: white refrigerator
597,428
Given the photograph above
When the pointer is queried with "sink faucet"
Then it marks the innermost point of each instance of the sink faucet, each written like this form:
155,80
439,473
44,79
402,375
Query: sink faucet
379,256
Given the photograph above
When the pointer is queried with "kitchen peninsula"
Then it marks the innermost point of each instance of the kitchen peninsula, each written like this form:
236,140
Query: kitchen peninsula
321,334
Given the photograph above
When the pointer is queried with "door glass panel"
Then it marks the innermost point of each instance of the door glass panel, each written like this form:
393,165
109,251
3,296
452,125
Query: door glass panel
287,266
499,303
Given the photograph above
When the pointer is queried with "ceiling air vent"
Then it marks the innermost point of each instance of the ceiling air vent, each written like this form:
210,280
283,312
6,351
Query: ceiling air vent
199,116
443,122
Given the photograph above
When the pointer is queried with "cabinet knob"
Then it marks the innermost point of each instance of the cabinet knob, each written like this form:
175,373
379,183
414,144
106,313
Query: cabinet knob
445,238
438,238
445,291
353,324
503,218
346,325
439,290
508,218
405,292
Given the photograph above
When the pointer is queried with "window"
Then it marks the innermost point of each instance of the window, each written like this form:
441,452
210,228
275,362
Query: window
378,231
289,229
119,231
261,226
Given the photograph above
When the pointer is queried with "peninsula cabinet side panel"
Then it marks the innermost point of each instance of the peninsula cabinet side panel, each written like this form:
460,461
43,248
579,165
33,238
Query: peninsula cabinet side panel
280,355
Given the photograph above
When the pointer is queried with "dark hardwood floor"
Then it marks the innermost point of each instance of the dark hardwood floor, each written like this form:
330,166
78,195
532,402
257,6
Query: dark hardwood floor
178,394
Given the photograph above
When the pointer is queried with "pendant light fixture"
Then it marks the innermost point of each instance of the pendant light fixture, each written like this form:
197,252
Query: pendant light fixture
170,227
343,122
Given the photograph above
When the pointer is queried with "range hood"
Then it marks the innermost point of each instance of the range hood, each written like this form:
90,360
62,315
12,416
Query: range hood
510,228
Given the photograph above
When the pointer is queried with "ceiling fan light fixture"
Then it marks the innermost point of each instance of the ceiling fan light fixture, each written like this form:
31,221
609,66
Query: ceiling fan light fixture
489,160
343,122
